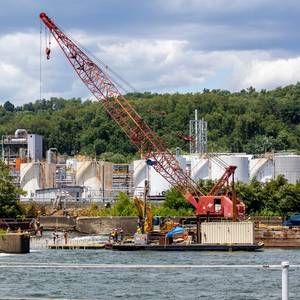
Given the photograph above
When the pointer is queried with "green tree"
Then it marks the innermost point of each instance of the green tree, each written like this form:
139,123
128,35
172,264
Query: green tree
289,199
9,106
175,200
123,206
9,194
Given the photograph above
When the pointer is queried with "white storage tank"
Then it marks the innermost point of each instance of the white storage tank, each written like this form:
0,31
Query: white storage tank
262,169
139,176
240,161
287,165
94,175
227,233
35,176
157,183
199,166
30,178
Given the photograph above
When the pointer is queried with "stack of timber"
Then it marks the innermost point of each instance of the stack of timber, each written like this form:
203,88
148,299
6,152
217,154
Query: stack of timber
278,236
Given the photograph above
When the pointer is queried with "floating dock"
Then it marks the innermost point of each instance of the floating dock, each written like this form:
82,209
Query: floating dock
76,246
192,247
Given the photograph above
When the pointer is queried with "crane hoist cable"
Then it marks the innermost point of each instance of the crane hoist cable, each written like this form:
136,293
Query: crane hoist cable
108,70
41,31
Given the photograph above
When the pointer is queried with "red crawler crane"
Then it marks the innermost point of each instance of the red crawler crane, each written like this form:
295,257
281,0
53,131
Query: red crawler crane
140,134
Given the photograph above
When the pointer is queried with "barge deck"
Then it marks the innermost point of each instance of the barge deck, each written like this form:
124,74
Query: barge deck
192,247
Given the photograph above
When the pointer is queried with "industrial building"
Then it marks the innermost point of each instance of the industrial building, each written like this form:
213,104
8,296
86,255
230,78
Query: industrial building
98,180
103,181
21,147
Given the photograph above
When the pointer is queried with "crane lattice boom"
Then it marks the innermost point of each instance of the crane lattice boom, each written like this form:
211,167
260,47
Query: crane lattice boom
140,134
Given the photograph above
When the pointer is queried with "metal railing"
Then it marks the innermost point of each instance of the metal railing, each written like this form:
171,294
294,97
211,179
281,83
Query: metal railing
284,266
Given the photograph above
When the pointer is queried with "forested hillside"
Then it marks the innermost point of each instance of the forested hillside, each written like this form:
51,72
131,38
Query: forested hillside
247,121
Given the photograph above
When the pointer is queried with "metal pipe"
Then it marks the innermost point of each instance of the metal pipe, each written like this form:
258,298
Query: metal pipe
196,132
103,183
198,232
285,280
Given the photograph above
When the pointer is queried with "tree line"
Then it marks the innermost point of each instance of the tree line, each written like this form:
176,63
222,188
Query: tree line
246,121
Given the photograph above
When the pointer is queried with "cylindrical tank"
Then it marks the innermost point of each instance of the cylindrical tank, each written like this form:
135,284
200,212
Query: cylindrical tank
157,183
34,176
200,168
139,176
240,161
287,165
94,175
262,169
51,155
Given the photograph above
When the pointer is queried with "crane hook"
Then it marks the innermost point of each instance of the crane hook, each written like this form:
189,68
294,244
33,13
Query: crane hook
48,50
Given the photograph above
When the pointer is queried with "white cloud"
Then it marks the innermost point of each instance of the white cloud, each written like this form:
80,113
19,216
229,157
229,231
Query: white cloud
148,64
272,73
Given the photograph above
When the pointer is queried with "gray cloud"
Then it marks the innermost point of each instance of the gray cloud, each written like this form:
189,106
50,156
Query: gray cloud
170,45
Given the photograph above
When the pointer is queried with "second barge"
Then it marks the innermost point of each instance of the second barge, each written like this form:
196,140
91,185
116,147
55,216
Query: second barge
192,247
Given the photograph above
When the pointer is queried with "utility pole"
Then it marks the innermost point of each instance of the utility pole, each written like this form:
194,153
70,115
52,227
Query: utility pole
103,182
234,202
146,191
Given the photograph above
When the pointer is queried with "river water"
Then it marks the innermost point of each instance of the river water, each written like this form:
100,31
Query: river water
83,283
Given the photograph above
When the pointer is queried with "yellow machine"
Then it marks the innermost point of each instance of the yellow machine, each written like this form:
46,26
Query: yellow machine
149,222
145,214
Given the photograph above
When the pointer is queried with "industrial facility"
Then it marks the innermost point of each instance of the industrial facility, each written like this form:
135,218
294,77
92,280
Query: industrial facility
201,166
83,179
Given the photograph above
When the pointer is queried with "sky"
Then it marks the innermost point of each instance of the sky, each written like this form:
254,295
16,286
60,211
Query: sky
155,45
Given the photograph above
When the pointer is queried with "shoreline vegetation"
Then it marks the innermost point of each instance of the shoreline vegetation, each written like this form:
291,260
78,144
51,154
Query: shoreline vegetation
274,198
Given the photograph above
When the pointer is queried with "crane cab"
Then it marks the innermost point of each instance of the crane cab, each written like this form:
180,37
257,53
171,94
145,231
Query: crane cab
219,206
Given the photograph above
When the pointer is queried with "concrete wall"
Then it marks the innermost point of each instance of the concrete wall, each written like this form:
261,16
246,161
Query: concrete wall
104,225
60,222
15,243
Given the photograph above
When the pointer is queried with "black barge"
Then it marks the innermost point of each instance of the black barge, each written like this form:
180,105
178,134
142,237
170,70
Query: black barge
192,247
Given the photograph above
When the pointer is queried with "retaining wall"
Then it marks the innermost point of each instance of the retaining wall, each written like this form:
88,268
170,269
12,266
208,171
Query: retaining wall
60,222
104,225
15,243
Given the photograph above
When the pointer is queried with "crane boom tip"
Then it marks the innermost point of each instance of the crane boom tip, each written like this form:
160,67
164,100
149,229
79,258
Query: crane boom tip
43,15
